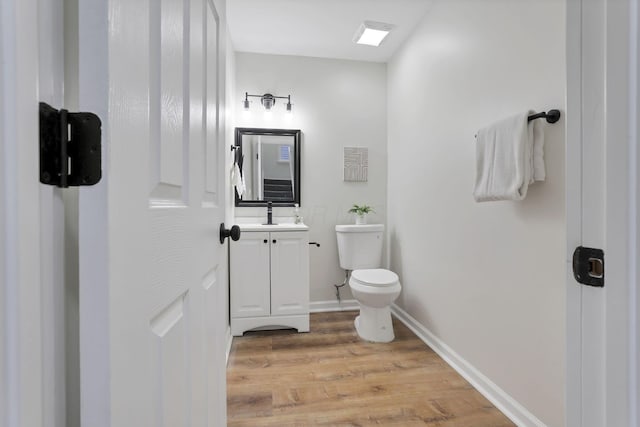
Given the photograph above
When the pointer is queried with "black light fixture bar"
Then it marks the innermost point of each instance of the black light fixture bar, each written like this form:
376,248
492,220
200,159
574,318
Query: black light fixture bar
267,100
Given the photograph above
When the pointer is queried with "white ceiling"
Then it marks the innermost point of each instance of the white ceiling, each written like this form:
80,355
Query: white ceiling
320,28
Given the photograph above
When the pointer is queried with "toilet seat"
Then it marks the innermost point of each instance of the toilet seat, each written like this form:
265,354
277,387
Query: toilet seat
374,277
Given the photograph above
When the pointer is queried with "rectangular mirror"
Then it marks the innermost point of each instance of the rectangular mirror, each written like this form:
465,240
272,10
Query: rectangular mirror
269,160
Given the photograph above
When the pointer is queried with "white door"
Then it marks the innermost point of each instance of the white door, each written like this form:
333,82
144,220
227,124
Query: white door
602,139
152,297
289,273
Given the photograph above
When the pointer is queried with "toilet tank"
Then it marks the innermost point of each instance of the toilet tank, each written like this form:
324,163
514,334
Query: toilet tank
360,246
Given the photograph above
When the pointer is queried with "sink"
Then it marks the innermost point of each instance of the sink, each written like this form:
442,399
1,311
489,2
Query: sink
283,226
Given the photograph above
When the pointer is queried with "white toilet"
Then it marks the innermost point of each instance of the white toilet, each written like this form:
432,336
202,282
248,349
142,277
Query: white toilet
360,251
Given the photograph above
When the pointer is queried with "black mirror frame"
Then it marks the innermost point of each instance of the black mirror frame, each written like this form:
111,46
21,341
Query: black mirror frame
296,133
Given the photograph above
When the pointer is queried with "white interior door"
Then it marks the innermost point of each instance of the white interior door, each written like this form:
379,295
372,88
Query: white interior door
602,139
152,323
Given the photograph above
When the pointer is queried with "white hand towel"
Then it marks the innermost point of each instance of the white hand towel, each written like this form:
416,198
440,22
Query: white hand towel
505,159
244,185
237,180
537,134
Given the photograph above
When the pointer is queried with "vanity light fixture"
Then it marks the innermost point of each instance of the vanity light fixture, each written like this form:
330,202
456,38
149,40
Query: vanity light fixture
372,33
267,100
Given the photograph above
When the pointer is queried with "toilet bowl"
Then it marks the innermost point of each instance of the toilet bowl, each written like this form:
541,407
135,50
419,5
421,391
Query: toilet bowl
375,290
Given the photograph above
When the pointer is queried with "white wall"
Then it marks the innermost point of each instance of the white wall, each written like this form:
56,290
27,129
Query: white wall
336,103
487,279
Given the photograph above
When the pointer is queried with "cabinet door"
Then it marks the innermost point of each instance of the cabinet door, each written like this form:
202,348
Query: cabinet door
289,273
250,293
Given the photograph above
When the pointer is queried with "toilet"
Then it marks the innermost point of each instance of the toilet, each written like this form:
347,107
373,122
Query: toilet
375,289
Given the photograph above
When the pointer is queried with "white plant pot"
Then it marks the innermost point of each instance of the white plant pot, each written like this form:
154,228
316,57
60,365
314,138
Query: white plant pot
361,219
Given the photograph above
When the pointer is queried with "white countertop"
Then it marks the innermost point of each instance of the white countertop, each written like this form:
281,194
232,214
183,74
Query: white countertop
285,226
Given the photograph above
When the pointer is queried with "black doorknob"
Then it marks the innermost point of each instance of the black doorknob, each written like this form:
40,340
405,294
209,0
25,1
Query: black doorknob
234,233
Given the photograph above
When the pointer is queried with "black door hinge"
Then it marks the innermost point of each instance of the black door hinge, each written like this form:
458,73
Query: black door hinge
588,266
70,147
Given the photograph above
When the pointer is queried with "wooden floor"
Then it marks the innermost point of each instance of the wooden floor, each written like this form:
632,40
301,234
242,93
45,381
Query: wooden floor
330,377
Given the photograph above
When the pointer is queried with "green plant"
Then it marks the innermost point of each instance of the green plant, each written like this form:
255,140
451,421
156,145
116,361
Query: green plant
361,210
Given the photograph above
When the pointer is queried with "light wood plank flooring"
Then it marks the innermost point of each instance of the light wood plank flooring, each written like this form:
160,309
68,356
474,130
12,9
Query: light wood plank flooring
330,377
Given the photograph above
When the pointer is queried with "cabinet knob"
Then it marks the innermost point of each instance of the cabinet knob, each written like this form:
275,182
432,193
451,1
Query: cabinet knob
274,240
266,241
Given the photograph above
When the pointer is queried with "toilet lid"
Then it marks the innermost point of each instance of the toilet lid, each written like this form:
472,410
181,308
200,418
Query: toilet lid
375,277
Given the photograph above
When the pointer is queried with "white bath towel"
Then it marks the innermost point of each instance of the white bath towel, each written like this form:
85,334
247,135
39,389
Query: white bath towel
237,180
509,157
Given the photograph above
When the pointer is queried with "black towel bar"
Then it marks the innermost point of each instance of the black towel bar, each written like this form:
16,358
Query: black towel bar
552,116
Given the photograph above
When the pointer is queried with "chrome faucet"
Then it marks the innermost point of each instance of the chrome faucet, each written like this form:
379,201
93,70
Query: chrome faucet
269,213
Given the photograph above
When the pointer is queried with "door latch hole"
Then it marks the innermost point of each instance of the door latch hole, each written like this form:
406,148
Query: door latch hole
596,268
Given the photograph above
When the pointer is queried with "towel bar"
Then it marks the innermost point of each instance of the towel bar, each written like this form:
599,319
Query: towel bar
552,116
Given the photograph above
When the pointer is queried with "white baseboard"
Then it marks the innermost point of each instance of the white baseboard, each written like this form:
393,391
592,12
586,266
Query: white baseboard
500,399
229,342
324,306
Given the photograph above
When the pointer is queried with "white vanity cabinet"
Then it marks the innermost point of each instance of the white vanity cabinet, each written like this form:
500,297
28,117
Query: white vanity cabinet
269,272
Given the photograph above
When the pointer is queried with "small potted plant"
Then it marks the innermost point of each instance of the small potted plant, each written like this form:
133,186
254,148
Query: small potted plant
361,213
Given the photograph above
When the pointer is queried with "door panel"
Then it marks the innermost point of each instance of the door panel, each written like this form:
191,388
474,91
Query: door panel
171,368
215,363
289,273
212,107
167,100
